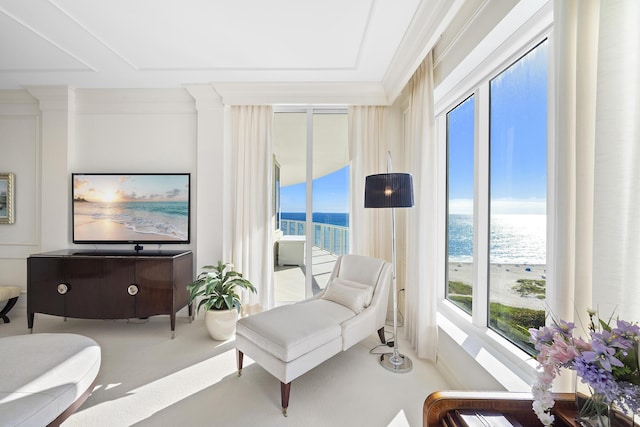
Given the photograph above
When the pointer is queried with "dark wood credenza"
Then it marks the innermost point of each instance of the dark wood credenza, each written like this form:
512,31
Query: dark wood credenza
90,284
516,406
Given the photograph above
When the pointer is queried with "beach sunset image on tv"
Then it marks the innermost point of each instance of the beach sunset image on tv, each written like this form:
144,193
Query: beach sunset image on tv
110,208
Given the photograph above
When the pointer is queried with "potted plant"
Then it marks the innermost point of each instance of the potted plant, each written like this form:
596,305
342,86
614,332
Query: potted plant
216,286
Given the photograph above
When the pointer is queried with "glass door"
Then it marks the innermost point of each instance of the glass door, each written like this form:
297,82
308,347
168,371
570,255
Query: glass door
311,153
330,194
290,153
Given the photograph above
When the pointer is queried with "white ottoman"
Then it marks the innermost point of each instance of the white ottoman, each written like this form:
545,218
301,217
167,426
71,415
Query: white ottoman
44,378
291,250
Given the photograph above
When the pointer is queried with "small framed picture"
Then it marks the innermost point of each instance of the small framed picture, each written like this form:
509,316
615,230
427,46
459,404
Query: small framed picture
6,198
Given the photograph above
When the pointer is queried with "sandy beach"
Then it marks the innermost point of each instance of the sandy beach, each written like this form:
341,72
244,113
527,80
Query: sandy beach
503,278
87,228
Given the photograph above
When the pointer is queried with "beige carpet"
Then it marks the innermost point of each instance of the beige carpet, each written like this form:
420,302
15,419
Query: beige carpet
148,379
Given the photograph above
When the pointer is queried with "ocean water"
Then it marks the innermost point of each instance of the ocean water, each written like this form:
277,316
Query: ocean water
153,218
514,239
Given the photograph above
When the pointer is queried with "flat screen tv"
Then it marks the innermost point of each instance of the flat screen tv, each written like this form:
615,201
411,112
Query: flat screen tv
131,208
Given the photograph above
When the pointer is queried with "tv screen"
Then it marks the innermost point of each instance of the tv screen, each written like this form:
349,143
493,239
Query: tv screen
131,208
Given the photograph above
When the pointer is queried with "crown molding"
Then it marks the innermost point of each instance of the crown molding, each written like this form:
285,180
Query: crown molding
16,96
301,93
53,98
134,101
427,25
205,96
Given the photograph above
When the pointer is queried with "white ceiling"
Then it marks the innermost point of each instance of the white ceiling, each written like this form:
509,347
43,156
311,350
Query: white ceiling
170,43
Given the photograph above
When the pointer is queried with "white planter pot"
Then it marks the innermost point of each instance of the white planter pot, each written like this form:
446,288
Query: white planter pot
221,324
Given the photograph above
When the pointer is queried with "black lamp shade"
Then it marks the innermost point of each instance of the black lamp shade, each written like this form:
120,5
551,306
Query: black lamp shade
388,190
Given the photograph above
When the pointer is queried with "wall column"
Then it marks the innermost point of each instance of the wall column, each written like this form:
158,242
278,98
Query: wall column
57,106
209,175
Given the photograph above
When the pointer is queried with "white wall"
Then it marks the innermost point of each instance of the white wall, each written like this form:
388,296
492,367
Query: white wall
19,154
132,131
48,133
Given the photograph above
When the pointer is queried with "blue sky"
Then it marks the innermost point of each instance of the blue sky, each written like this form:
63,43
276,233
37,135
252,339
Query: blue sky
330,194
518,134
518,137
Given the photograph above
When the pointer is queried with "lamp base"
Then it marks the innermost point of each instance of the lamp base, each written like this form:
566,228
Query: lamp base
399,364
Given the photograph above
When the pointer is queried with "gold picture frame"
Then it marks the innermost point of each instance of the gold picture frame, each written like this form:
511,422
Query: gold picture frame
6,198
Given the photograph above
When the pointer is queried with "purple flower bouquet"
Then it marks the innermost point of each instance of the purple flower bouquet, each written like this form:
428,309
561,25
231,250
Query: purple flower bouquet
607,362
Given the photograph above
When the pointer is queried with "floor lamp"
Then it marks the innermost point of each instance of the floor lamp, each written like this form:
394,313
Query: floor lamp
391,190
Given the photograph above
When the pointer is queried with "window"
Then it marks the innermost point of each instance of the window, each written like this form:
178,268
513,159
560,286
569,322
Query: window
460,152
518,186
498,254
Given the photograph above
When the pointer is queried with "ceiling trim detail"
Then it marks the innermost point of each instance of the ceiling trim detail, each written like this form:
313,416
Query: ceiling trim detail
92,34
46,39
360,51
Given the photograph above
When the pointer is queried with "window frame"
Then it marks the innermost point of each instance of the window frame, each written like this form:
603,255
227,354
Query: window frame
471,332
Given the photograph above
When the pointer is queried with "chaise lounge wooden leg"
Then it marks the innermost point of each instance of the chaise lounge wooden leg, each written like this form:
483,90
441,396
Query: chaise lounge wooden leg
284,392
383,340
239,357
10,303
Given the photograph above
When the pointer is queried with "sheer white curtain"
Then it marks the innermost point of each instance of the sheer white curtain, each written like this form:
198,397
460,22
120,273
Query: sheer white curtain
251,243
595,255
616,242
420,145
370,228
571,205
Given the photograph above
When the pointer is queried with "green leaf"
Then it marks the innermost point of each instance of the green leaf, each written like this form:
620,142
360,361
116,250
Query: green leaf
215,287
605,325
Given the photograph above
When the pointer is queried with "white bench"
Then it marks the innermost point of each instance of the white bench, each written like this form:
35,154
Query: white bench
44,378
9,294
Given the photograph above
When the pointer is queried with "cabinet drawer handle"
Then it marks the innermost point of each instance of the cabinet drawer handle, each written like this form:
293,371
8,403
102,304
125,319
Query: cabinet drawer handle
63,288
132,289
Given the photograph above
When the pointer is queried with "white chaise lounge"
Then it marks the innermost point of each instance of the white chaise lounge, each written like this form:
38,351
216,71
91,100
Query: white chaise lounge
44,378
290,340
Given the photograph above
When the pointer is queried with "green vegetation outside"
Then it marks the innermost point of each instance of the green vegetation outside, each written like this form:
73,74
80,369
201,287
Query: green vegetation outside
512,322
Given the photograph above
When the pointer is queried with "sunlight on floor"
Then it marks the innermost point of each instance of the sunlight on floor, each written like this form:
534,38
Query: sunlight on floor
400,420
107,387
160,394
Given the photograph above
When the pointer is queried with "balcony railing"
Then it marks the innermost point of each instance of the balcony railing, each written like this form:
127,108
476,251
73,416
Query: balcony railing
328,237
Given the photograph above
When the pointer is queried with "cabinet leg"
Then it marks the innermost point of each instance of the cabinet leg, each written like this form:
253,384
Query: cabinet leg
173,324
